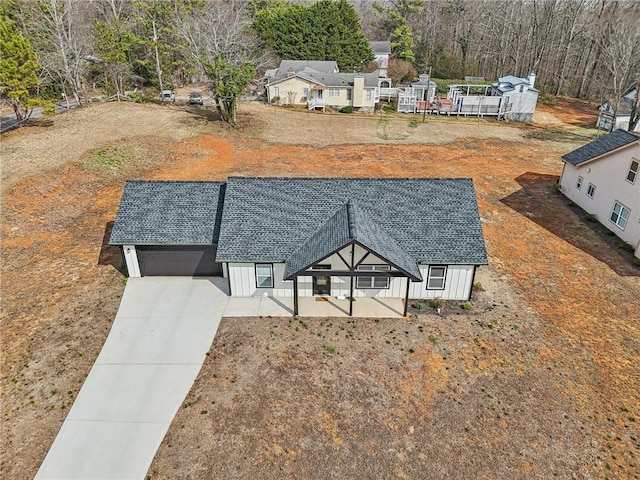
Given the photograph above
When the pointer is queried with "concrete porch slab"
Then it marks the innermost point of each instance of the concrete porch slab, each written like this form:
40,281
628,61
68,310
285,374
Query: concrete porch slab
362,307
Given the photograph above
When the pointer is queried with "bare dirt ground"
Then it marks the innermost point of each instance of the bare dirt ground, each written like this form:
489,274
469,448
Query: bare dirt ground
541,379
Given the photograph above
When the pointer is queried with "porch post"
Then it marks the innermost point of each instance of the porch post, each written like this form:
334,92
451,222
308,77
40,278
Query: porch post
406,298
353,259
351,296
295,296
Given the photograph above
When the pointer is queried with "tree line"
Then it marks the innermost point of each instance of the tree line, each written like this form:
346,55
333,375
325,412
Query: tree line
581,48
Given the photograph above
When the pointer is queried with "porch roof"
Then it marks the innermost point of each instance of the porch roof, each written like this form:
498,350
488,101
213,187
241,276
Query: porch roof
348,225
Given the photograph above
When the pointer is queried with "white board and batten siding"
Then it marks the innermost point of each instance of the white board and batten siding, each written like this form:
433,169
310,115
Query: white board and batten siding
457,285
242,281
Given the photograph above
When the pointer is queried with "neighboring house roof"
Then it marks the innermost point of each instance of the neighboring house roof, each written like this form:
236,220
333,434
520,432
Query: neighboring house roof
423,82
433,221
287,66
169,213
610,142
381,48
625,106
332,79
510,82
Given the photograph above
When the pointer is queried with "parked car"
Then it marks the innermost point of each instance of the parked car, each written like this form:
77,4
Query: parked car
195,98
168,96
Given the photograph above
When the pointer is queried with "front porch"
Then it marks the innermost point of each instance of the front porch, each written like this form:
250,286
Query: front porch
318,306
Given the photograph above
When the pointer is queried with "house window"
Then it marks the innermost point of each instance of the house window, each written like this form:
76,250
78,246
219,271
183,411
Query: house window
436,278
373,282
633,171
264,275
276,91
349,94
620,215
579,183
591,190
369,94
334,92
305,92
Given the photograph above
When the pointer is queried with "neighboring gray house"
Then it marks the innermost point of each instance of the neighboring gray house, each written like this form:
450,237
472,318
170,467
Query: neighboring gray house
303,237
612,119
602,177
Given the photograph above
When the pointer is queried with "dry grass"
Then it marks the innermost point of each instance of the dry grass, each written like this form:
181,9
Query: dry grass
566,379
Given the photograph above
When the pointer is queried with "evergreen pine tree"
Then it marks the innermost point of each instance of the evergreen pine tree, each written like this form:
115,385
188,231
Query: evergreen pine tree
18,69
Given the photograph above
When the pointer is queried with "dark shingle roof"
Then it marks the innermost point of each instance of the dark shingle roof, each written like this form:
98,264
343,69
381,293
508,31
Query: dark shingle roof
600,146
350,225
169,213
431,220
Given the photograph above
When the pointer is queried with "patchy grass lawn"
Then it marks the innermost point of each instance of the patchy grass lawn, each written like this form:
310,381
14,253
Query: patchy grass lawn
540,378
457,396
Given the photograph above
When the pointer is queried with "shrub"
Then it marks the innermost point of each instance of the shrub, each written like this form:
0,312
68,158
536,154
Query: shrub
557,187
590,217
437,303
477,287
466,306
417,305
636,261
347,109
275,99
627,247
413,123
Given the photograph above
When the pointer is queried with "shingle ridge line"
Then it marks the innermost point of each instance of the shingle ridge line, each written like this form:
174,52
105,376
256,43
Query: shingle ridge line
351,221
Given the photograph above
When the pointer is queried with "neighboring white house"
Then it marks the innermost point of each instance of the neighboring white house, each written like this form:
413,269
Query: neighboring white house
318,85
520,94
304,237
611,119
381,52
603,177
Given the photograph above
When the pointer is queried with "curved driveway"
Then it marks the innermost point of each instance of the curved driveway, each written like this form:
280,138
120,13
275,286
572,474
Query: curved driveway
155,349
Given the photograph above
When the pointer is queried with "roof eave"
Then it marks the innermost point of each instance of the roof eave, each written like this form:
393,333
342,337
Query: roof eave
601,155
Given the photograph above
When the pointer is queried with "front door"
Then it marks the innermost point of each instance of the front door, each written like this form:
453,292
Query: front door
322,284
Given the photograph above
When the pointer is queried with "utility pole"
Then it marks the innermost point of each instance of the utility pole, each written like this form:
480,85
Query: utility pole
155,44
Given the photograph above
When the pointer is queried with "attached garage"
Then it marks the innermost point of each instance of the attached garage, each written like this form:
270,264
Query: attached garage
193,261
170,228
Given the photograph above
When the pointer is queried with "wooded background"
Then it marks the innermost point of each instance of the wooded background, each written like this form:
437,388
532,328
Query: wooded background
581,48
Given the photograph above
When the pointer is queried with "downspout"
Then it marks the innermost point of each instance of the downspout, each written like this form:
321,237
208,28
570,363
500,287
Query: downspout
406,299
295,296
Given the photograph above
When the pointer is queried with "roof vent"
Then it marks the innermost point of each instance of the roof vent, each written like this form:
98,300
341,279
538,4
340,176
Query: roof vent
291,72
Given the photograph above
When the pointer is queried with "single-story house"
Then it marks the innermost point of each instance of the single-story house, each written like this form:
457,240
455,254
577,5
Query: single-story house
318,85
611,118
602,178
295,237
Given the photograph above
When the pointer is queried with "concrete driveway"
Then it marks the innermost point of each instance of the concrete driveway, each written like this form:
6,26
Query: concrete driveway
156,347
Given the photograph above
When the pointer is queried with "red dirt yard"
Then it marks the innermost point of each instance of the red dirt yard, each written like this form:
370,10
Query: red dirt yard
540,380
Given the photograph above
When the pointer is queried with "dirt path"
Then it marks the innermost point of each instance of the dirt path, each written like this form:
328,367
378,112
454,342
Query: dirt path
60,288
